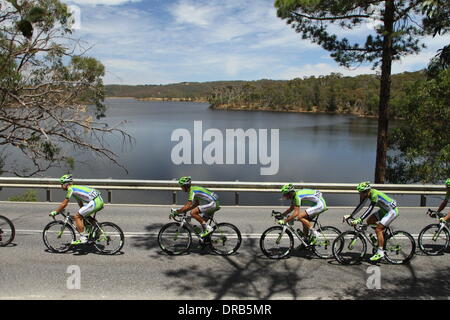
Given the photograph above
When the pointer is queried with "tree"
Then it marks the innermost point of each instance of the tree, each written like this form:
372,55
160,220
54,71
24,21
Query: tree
395,36
46,90
421,143
437,21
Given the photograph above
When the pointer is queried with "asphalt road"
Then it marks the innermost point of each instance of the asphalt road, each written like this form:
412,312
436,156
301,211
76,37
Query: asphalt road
143,271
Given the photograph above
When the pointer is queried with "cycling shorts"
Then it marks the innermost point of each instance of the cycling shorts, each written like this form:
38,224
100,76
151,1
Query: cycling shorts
91,207
317,209
386,217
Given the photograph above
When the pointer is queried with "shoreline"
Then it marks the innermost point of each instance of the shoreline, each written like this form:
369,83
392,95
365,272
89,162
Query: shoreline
246,108
265,109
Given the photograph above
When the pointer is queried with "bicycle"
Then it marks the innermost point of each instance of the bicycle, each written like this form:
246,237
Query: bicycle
434,238
106,237
351,246
7,231
175,238
277,242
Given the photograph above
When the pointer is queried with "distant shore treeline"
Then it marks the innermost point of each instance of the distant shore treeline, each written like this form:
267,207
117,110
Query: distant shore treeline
328,94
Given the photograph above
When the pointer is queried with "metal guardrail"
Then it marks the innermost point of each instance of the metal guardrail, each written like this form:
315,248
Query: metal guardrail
225,186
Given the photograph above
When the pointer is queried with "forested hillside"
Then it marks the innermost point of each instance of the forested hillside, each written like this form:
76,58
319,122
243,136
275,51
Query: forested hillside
333,93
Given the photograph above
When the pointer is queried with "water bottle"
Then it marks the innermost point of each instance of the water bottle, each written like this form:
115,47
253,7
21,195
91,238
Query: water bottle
373,239
197,229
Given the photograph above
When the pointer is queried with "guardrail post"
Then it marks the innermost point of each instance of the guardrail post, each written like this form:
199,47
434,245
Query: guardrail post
423,201
49,198
236,198
174,197
109,196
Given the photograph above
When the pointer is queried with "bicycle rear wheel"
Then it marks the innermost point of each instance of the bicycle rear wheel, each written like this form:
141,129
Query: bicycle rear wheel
349,248
174,239
7,231
225,239
324,242
108,238
432,240
58,236
399,247
276,243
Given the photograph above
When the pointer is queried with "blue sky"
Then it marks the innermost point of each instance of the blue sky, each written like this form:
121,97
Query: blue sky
169,41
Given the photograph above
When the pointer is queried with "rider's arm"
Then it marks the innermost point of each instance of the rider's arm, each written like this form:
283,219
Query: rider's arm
293,216
443,205
289,210
358,208
80,203
188,206
368,211
63,205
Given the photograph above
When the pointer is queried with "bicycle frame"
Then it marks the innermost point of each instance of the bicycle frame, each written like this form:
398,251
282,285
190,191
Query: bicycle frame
442,225
68,220
300,236
184,220
362,228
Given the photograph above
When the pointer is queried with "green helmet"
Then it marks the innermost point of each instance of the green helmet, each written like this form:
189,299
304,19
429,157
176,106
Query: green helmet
364,186
183,181
447,183
67,178
287,188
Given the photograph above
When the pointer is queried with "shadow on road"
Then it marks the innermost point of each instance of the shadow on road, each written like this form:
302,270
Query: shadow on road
434,286
251,276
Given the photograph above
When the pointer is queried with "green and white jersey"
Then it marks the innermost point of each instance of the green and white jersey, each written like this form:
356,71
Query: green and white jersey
307,197
82,193
202,195
381,200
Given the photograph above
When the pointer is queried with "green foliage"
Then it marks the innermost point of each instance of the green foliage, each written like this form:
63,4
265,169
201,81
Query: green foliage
421,143
29,196
332,93
311,18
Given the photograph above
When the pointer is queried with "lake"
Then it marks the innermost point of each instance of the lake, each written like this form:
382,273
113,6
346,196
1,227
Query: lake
312,148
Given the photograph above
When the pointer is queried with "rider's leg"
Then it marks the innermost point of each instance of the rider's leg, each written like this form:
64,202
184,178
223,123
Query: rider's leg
385,221
85,211
195,213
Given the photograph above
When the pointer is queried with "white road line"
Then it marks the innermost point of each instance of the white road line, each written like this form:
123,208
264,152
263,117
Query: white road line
155,234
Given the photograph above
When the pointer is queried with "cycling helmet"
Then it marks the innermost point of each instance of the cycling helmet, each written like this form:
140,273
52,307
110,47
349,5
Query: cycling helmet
363,186
447,183
67,178
183,181
287,188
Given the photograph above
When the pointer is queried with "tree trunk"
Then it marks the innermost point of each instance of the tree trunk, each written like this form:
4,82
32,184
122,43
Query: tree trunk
385,92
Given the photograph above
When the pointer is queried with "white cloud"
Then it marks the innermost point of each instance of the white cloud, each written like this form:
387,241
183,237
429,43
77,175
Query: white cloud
102,2
192,13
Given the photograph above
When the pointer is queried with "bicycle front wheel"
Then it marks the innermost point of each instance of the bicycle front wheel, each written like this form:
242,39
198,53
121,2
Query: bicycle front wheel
58,236
399,247
108,238
7,231
174,239
324,242
349,248
225,239
434,239
276,243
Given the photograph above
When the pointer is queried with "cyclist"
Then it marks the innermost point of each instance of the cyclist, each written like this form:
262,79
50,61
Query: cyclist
382,218
89,200
201,213
445,202
313,198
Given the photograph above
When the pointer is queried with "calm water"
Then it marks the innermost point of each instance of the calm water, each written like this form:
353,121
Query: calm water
313,148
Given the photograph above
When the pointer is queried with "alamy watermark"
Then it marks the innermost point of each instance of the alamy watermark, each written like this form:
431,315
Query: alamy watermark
374,280
74,280
234,146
